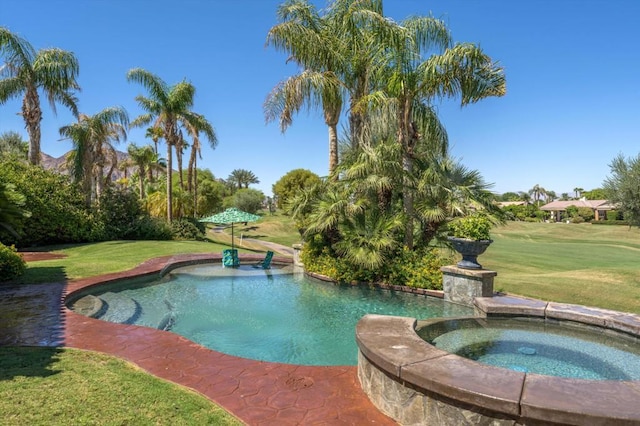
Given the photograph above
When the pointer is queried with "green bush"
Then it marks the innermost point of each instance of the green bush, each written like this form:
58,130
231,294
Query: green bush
473,227
58,211
187,229
614,215
11,263
419,269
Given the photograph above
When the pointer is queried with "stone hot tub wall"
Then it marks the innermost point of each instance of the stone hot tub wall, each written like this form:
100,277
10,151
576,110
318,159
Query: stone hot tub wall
415,383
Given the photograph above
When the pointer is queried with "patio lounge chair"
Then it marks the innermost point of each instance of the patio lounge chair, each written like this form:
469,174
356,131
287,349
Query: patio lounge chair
266,263
230,258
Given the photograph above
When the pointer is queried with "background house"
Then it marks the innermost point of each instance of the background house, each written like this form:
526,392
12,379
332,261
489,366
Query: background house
558,209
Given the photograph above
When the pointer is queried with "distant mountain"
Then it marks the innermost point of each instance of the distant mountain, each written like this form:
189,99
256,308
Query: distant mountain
60,164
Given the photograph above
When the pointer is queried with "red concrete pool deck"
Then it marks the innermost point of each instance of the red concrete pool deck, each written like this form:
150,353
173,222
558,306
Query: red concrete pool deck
258,393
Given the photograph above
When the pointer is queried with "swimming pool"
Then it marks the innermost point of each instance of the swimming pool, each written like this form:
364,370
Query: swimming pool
273,315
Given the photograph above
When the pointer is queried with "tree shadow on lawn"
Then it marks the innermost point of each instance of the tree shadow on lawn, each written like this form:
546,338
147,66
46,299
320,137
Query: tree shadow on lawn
27,362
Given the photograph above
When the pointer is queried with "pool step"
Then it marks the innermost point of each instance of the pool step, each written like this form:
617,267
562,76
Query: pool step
120,309
89,305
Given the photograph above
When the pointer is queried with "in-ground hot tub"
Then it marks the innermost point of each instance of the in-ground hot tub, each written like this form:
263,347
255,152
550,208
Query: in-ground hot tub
415,382
541,346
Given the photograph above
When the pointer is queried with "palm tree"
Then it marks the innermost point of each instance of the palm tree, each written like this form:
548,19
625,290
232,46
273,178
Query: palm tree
142,158
242,177
411,84
192,171
91,137
168,107
26,71
578,191
155,134
537,192
336,53
312,89
301,33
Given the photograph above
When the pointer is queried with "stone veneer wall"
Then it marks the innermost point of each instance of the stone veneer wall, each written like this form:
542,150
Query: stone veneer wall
416,383
464,285
412,406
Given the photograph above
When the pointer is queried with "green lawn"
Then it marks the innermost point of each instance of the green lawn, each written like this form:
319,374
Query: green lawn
594,265
49,386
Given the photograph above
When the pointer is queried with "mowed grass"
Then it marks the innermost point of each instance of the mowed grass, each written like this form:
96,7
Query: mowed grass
50,386
593,265
86,260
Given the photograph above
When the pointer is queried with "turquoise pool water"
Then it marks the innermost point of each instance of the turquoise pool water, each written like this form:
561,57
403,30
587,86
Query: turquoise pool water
563,349
272,315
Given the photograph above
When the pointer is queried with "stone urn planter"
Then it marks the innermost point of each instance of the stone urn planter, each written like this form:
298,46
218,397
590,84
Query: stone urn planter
470,237
470,250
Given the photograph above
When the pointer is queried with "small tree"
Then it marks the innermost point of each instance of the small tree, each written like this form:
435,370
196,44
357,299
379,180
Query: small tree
293,182
623,187
248,200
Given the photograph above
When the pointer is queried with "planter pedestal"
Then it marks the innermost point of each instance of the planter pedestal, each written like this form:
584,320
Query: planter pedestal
462,285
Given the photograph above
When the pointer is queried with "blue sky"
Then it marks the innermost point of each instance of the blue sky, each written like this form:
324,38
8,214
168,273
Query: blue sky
572,68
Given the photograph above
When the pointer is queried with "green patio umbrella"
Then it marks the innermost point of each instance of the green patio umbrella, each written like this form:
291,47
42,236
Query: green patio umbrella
231,216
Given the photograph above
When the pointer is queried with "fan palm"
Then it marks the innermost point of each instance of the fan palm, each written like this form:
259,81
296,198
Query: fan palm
168,107
26,71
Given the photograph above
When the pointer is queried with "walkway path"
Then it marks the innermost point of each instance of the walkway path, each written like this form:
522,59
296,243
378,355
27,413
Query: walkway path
259,393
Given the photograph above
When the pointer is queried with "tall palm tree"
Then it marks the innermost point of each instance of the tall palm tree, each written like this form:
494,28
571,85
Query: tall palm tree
142,158
26,71
167,107
412,84
305,35
91,137
336,52
193,129
311,89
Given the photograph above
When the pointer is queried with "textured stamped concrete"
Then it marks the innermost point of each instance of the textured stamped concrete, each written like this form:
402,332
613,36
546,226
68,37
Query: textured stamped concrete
258,393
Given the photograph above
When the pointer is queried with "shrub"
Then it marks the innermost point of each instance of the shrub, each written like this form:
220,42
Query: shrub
58,212
614,215
11,263
473,227
187,229
419,269
150,228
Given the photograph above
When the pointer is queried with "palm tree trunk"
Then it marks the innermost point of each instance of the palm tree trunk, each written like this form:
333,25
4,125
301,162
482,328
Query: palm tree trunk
404,114
141,174
32,115
99,181
333,149
195,189
169,140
